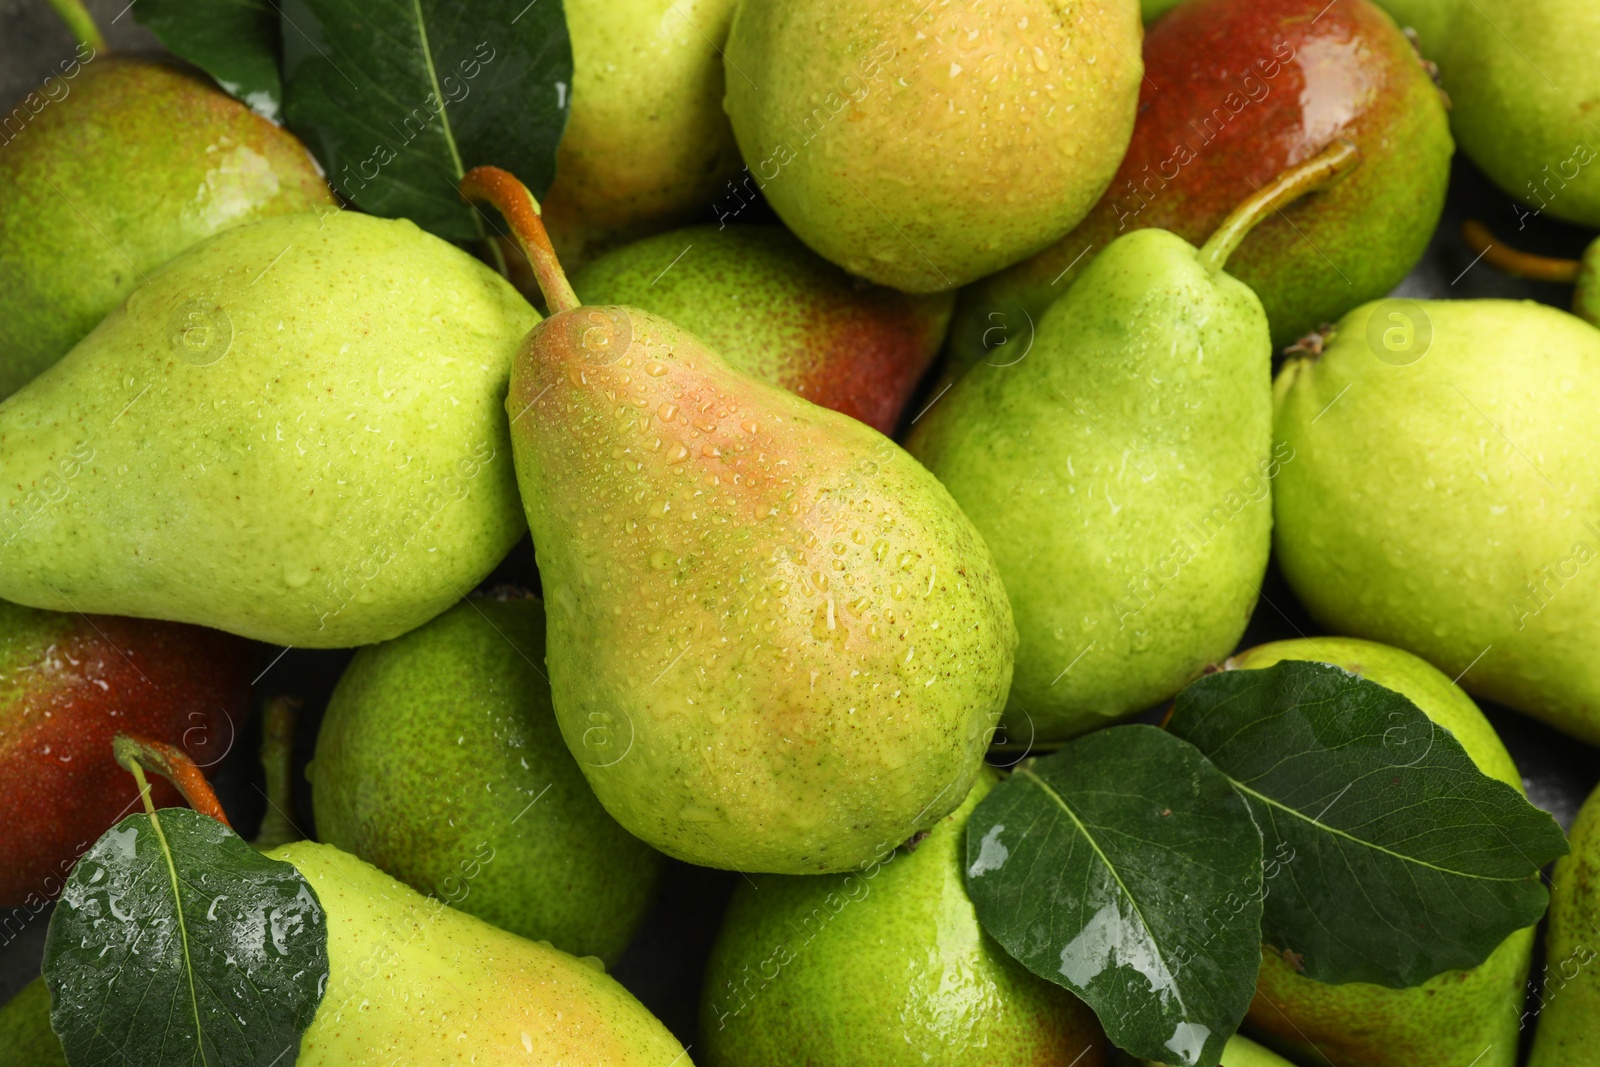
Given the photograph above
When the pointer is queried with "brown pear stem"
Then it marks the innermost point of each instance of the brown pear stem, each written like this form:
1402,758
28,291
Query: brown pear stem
135,752
81,23
277,762
1508,260
501,189
1318,172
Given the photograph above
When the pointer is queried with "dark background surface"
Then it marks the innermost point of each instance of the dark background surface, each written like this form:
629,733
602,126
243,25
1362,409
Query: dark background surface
664,965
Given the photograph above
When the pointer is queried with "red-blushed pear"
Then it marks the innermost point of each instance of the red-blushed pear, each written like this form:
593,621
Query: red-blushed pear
779,312
1236,92
775,643
68,683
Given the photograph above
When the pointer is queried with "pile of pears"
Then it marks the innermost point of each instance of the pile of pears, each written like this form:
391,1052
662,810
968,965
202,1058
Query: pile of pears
898,389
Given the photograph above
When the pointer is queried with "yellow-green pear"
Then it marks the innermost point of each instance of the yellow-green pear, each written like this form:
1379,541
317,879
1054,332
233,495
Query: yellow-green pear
1567,1031
412,981
923,146
886,965
1445,495
1525,90
647,143
1455,1019
293,432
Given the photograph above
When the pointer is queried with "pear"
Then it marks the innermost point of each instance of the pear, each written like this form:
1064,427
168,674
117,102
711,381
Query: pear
25,1032
1154,9
1569,1002
1284,79
292,432
1445,496
68,684
1431,19
1457,1018
889,958
413,981
1523,84
923,146
440,761
126,164
775,642
647,143
777,311
1119,470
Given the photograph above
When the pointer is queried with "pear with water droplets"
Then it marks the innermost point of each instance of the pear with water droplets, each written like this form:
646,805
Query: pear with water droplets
1120,470
292,432
775,643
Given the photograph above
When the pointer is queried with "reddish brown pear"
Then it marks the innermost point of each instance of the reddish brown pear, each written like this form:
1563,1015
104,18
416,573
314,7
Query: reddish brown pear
1237,91
775,643
68,684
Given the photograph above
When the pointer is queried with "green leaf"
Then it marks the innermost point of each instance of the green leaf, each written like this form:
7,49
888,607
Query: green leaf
1125,868
399,98
234,41
1408,861
174,942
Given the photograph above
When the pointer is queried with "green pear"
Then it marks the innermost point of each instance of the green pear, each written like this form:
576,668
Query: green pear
25,1032
925,146
889,958
1583,274
777,311
1119,471
1432,19
292,432
1445,495
440,761
1568,1030
647,143
125,164
413,981
775,642
1453,1019
1524,85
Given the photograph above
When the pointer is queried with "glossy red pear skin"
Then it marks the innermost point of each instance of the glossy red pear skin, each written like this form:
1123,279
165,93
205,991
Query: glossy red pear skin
68,684
1236,91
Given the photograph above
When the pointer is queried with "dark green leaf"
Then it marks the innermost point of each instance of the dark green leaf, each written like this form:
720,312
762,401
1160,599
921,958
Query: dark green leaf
1407,860
1125,868
176,943
398,99
234,41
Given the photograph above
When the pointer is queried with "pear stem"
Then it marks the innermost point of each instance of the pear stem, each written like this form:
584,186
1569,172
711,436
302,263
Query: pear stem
1318,172
277,760
135,752
501,189
1517,264
81,23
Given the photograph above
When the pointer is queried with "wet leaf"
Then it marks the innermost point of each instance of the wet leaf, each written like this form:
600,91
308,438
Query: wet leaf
1127,869
1407,860
398,99
175,942
234,41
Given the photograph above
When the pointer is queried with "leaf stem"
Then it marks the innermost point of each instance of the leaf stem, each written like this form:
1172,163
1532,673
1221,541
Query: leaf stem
81,23
499,188
1318,172
135,752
